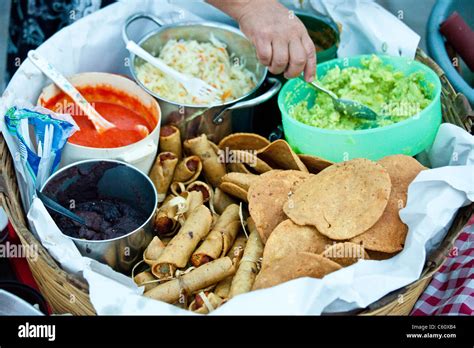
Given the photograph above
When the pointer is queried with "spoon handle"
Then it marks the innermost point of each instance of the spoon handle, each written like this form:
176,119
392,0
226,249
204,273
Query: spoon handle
320,88
156,62
51,204
100,123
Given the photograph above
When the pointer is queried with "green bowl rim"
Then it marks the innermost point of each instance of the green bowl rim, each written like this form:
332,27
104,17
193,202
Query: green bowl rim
425,68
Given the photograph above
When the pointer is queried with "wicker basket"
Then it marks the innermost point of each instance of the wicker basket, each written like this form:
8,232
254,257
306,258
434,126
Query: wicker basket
67,294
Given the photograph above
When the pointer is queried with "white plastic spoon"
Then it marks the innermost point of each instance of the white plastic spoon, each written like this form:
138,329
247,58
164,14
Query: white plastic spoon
100,123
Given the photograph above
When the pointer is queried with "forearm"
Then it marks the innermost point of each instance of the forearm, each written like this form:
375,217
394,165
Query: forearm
237,8
282,41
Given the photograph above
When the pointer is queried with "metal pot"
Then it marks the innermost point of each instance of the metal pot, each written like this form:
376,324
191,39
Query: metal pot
219,120
112,179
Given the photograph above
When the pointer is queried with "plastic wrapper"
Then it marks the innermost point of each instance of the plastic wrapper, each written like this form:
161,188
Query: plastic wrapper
39,136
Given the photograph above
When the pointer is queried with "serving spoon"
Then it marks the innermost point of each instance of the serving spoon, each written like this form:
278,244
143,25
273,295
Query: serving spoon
346,106
100,123
58,208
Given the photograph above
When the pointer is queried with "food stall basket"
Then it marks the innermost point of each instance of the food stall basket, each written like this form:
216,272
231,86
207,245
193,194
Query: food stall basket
68,294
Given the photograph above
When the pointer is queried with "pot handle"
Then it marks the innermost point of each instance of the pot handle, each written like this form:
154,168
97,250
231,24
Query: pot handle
136,16
219,117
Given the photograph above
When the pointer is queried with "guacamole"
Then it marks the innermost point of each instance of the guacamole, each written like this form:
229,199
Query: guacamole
393,95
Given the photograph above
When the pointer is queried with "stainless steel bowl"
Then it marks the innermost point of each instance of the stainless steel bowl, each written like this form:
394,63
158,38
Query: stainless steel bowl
111,179
215,121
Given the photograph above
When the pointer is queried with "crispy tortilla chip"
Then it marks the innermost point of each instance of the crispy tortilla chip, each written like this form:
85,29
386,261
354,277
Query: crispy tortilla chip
234,190
243,141
279,155
377,255
293,266
345,253
240,179
290,238
342,201
389,232
315,164
268,194
250,160
238,168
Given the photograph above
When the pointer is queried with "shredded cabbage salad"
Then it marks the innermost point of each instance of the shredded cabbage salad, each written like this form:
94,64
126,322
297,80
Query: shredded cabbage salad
209,61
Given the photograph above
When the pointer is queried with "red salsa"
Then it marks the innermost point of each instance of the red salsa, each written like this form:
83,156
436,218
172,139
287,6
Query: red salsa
124,111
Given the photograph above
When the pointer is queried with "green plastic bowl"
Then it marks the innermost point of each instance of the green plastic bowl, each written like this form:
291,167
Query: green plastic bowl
409,137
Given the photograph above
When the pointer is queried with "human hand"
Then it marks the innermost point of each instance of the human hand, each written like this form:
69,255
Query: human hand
282,41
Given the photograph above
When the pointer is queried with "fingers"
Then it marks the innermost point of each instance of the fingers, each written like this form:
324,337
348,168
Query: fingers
298,59
264,51
310,50
280,56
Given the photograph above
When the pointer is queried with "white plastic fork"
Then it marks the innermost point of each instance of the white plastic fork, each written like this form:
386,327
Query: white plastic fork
196,87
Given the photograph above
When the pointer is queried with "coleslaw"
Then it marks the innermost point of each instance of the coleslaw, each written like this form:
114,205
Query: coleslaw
209,61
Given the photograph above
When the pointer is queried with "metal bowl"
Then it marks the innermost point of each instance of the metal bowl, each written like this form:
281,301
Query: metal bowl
111,179
197,119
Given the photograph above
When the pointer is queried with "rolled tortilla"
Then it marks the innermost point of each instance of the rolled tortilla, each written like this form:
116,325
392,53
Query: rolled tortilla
145,277
247,270
205,189
162,173
199,278
170,140
235,253
205,305
166,223
153,251
220,239
167,199
221,200
180,248
214,170
194,199
177,188
188,170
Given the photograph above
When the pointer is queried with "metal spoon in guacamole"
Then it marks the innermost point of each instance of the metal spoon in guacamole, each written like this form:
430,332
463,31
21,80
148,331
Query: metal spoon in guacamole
346,106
